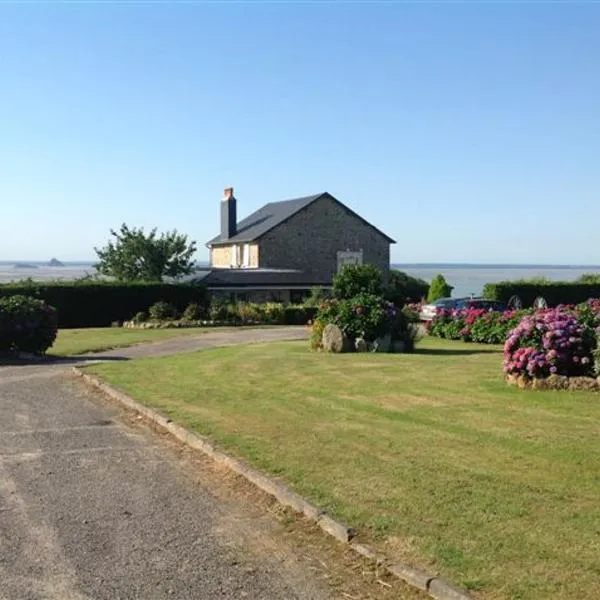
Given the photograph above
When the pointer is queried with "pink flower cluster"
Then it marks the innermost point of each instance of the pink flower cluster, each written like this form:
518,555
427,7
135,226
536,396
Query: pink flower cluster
547,342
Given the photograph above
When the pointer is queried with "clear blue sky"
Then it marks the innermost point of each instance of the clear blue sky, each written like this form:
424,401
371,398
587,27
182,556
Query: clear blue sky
468,132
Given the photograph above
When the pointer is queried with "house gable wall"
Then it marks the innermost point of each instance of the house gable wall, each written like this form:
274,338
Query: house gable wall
311,239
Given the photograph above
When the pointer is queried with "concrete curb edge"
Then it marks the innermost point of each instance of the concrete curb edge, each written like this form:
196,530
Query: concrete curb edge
437,587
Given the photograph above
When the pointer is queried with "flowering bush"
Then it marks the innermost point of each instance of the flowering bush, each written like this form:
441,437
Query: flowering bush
475,324
552,341
365,315
26,325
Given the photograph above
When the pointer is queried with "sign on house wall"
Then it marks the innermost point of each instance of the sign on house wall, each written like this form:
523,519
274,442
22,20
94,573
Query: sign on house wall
348,258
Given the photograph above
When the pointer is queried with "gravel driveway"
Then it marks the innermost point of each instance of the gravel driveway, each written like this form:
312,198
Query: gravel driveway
92,509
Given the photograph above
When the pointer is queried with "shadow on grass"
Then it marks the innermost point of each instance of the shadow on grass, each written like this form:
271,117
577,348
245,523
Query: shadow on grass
455,351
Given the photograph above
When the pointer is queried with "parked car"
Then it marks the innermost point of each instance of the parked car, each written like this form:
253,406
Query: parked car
429,311
491,305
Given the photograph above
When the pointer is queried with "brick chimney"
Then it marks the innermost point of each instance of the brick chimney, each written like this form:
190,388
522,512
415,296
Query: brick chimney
228,214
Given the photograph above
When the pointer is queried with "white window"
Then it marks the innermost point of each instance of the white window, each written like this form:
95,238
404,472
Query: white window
246,256
348,258
235,256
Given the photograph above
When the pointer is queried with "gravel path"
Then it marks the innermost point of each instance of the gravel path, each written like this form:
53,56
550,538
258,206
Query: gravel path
92,509
190,343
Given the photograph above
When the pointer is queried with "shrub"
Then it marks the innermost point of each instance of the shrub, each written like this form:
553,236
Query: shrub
403,288
26,325
593,278
317,295
596,355
316,334
549,342
140,317
475,325
353,280
439,288
162,311
412,312
274,312
98,304
250,312
588,314
218,310
193,312
299,314
364,315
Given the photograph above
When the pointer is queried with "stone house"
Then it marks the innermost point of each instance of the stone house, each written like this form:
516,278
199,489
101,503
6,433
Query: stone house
284,249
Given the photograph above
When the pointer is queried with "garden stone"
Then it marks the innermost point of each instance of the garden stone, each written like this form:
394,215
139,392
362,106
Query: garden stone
583,383
383,344
542,383
361,345
334,339
558,382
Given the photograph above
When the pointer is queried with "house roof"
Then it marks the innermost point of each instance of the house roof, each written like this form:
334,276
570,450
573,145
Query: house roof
273,214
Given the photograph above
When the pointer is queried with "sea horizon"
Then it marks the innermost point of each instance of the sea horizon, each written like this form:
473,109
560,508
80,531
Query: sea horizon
427,265
467,279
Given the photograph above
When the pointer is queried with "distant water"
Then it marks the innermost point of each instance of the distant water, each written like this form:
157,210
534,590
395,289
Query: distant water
466,279
470,279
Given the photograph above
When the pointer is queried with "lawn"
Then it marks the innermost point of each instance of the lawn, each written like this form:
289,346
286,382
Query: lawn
94,339
430,455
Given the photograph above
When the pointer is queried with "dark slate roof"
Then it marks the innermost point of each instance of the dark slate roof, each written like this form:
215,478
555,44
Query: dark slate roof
259,278
265,218
274,213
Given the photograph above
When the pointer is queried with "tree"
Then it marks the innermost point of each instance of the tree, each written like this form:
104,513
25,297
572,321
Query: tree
353,280
137,256
403,288
439,288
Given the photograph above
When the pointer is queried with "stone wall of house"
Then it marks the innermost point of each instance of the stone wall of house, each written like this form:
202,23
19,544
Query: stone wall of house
311,239
222,256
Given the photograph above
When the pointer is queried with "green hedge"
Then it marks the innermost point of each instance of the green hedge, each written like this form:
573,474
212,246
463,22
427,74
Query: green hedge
100,304
555,292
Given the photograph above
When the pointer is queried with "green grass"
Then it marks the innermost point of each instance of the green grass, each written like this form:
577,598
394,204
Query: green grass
430,455
94,339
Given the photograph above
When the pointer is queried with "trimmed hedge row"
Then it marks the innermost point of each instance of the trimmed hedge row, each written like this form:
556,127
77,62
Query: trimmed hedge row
100,304
555,293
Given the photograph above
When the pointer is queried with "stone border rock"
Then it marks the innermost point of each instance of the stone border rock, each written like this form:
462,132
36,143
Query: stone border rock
435,586
555,382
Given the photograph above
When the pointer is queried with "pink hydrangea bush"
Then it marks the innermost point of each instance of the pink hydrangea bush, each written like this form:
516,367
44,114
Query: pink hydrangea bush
475,324
548,342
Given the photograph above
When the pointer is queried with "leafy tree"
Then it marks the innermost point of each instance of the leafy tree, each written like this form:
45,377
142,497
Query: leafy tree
439,288
137,256
403,288
353,280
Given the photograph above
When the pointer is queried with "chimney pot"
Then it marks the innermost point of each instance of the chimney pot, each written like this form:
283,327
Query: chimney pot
227,193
